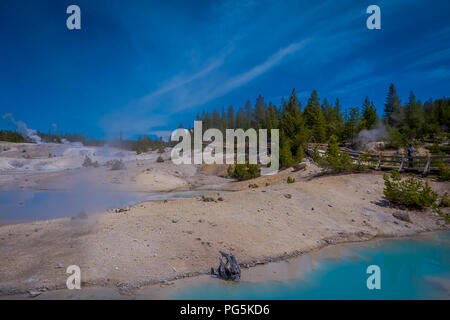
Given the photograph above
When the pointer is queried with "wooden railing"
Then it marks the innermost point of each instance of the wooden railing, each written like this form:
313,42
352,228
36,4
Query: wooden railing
422,164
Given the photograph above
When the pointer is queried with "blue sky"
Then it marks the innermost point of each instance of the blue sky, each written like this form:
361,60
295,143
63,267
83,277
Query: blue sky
142,67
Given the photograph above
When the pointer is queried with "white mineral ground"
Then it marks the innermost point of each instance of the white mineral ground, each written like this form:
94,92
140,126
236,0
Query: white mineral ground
167,240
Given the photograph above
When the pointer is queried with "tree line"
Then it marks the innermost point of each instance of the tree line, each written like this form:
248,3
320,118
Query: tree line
141,145
11,136
412,122
321,122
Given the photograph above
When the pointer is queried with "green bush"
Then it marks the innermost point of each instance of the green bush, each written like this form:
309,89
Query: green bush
338,161
244,171
410,192
434,148
438,210
444,171
89,163
286,159
396,139
316,155
290,180
11,136
160,159
117,165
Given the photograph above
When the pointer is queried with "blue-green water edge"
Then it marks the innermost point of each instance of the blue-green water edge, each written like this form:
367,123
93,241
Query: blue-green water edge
30,205
411,268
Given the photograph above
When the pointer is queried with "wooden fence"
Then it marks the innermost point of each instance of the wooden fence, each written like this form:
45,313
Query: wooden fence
420,164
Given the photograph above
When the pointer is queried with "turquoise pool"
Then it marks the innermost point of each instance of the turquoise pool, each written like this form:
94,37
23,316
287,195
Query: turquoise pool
411,268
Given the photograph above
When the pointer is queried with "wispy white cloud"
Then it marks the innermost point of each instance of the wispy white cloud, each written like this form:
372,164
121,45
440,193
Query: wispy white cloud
144,115
139,116
182,80
243,78
260,69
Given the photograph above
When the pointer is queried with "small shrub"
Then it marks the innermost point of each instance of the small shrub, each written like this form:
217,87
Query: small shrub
115,164
160,159
338,161
438,210
267,184
316,155
89,163
290,180
444,171
244,171
434,148
118,165
410,192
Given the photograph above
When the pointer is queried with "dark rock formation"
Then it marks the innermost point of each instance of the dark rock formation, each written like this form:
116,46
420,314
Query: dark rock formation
403,216
228,270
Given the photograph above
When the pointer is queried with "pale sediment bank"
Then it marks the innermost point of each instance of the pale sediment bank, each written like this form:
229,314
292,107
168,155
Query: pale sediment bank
156,241
303,273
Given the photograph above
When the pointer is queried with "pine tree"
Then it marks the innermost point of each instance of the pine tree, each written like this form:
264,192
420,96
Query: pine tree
327,110
207,122
286,158
241,119
216,120
393,110
260,112
352,124
432,116
335,121
249,114
314,118
223,121
443,106
231,118
414,116
293,136
329,115
369,115
272,114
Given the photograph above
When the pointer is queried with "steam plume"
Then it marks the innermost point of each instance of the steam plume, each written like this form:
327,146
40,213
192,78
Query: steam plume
23,129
